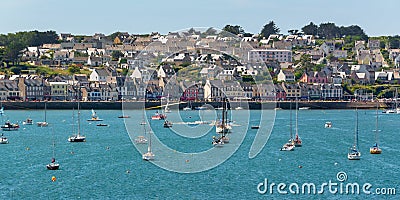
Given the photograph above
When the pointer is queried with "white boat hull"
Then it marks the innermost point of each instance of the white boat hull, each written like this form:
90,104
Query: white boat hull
148,156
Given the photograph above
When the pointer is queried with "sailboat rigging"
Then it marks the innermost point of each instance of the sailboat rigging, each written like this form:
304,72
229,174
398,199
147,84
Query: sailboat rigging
44,123
289,146
375,149
78,137
142,139
354,154
53,165
149,155
297,141
222,128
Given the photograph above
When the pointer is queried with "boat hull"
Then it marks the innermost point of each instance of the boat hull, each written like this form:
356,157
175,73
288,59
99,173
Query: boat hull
353,156
3,141
148,156
42,124
375,150
77,139
53,166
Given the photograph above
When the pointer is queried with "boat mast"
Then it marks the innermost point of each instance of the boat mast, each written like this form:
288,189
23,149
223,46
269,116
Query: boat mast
290,120
79,112
223,117
45,111
296,115
356,131
149,147
376,124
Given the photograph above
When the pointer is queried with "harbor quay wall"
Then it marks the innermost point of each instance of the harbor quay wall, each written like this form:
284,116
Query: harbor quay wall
107,105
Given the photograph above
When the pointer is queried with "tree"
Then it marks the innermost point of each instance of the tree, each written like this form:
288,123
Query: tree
310,29
73,69
269,29
234,29
353,30
328,30
116,55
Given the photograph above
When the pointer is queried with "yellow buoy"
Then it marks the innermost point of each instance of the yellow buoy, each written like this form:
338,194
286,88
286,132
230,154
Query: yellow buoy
53,178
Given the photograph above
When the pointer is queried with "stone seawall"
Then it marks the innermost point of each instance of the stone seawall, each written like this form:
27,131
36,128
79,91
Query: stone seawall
105,105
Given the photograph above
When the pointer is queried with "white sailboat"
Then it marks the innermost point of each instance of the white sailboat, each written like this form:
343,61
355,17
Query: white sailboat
94,117
149,155
394,109
297,140
375,149
222,128
188,107
289,146
44,123
240,106
167,109
354,153
77,137
3,139
28,121
142,139
53,165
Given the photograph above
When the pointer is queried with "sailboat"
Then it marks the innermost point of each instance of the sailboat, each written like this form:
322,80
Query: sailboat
222,128
77,137
141,139
354,154
28,121
240,106
289,146
149,155
167,109
94,117
53,165
297,139
188,107
394,109
44,123
3,139
375,149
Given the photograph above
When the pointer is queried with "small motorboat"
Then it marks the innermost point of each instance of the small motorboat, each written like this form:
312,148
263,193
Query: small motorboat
102,125
124,116
8,126
328,124
28,121
3,139
158,116
255,127
167,124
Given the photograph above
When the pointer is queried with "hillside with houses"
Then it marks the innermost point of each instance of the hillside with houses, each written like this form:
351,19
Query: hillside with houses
202,65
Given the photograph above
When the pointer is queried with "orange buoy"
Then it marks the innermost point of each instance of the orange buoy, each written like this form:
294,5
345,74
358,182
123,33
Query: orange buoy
53,178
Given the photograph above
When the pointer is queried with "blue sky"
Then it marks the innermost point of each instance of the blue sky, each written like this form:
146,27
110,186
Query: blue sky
143,16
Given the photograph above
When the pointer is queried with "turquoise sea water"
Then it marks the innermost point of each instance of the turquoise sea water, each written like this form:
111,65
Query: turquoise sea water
108,166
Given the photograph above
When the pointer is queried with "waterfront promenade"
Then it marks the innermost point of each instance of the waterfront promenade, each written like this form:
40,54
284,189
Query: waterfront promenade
118,105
